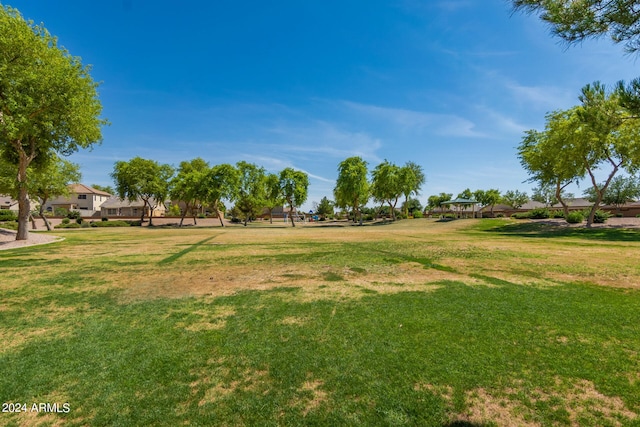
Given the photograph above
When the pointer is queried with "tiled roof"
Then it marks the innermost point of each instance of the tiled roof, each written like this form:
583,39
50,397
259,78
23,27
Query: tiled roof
85,189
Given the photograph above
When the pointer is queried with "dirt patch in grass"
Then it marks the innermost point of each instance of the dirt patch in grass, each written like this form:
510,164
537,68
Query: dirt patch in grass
310,395
579,400
208,319
482,408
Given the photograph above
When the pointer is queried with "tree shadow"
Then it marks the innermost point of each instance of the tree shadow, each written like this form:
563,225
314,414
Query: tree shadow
551,230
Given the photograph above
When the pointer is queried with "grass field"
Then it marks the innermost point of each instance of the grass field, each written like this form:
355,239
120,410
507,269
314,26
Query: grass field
464,323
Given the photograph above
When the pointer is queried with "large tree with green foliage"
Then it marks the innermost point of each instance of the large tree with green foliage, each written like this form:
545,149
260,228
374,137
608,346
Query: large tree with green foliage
411,180
324,208
543,155
221,183
143,179
489,198
352,186
386,185
294,186
272,194
251,192
188,186
48,102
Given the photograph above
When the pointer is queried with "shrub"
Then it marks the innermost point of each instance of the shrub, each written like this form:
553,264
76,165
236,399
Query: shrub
601,216
539,213
418,214
521,215
60,212
7,215
65,221
104,218
556,214
575,217
111,224
132,223
500,215
68,225
73,215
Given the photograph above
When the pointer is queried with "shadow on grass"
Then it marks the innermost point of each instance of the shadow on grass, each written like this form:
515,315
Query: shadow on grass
546,230
183,252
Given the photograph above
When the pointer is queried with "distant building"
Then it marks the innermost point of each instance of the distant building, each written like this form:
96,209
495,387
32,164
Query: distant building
116,207
8,203
82,198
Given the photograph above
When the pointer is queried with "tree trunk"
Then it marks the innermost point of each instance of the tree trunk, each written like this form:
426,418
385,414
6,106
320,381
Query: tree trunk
44,218
33,221
23,200
599,192
270,216
565,207
218,213
293,221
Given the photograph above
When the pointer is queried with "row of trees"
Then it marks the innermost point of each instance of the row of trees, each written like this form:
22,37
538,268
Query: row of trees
387,185
196,184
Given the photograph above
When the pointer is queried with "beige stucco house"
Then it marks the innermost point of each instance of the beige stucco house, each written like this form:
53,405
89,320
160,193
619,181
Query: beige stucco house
82,198
116,207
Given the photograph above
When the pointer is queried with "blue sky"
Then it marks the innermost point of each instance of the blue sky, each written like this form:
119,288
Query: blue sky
449,84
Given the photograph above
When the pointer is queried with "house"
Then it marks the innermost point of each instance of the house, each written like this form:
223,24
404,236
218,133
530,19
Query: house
117,207
7,202
81,197
279,212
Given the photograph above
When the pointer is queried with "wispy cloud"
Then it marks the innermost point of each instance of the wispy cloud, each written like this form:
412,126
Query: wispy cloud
549,97
418,121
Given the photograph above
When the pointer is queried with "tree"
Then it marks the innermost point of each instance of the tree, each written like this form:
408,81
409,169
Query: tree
547,157
620,191
324,208
188,186
46,182
52,181
465,194
515,199
221,183
412,205
48,102
352,186
411,180
604,138
294,186
251,192
435,201
575,21
386,185
487,198
143,179
273,195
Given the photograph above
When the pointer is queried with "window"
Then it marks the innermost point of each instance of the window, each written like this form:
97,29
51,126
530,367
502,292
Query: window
82,196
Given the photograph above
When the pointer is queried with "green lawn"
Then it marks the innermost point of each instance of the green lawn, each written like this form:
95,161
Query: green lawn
465,323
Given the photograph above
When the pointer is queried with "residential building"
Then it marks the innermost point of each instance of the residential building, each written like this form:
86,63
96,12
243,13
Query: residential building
82,198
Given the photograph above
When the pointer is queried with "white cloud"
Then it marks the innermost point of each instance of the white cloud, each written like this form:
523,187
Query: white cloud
418,121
